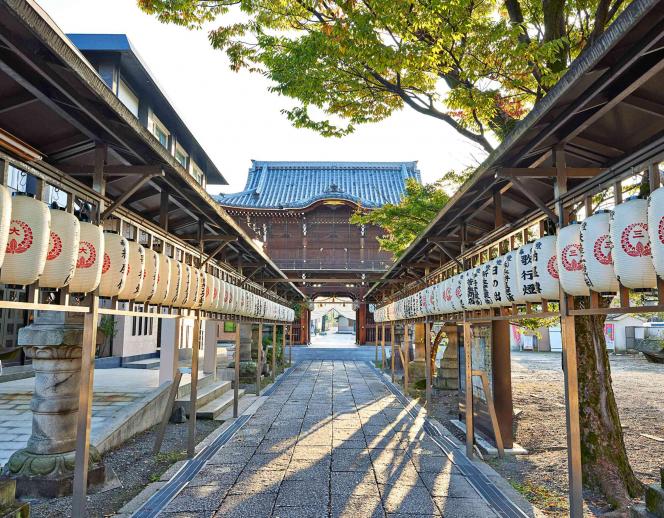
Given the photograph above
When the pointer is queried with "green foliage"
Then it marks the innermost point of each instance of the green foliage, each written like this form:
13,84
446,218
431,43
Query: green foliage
404,221
477,66
108,326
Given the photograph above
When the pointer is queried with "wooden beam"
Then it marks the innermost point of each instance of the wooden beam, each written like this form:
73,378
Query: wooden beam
208,237
446,252
118,202
547,172
217,250
113,170
519,184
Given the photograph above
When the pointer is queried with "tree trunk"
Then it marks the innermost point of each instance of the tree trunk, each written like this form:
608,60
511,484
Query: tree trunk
604,458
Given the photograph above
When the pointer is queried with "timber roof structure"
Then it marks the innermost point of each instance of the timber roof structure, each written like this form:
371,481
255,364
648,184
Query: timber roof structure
604,118
295,185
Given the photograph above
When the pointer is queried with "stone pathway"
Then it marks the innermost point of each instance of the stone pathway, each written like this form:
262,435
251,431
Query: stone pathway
331,441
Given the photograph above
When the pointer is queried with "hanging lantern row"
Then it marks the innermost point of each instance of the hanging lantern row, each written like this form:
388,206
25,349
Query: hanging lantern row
625,245
55,248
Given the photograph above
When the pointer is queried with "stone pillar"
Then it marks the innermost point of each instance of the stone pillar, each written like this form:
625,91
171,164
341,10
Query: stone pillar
448,374
245,342
45,467
417,367
169,356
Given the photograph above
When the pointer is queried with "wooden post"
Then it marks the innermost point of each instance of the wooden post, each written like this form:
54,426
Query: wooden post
193,394
376,347
290,346
392,347
236,360
274,352
283,343
492,411
427,353
259,359
405,358
84,416
470,425
570,367
382,346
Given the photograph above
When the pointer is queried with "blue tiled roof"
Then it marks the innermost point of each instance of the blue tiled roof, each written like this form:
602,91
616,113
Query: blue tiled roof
275,185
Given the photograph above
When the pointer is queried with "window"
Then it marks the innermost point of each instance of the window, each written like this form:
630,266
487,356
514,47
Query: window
128,98
181,156
197,172
158,130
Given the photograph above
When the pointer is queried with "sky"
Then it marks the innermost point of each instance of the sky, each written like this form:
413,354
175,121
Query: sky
234,116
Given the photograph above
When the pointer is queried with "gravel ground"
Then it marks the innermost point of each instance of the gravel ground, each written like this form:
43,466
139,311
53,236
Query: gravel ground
537,384
135,466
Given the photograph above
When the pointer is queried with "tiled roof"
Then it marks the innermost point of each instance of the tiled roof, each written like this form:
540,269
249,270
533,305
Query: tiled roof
275,185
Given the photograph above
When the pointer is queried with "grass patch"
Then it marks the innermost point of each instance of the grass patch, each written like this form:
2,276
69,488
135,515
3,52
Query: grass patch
541,496
171,457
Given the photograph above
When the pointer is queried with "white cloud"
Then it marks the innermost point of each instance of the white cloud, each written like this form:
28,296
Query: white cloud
233,115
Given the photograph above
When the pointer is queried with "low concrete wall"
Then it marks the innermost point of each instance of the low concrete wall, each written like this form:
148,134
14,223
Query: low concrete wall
143,414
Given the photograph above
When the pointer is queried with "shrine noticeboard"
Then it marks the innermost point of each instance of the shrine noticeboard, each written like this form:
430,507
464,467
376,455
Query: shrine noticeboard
490,353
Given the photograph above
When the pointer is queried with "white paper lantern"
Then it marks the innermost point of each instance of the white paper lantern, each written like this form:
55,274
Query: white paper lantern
186,281
90,260
114,269
656,229
27,245
526,275
485,287
65,234
160,296
5,219
198,285
510,276
632,255
545,267
175,285
150,274
568,253
498,282
135,271
597,253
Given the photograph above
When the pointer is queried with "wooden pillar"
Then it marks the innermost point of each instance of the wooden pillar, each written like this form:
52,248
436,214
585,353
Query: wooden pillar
259,359
382,346
405,358
274,352
502,379
236,365
362,323
290,345
570,367
392,347
470,425
427,371
193,394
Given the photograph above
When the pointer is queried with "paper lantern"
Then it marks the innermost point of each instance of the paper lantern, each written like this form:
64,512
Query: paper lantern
65,234
545,267
445,296
526,282
568,253
198,284
163,280
597,253
510,276
485,287
208,293
116,261
27,245
135,271
90,259
175,285
186,280
498,282
632,255
5,219
202,289
150,274
656,229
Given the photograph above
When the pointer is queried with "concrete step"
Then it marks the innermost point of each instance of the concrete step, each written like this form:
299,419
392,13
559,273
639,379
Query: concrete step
655,500
205,394
203,381
216,407
245,402
149,363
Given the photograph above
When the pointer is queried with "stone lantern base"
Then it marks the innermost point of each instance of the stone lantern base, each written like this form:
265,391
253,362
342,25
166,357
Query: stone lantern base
45,467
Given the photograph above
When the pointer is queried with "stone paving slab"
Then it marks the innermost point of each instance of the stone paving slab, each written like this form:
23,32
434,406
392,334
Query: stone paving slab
331,441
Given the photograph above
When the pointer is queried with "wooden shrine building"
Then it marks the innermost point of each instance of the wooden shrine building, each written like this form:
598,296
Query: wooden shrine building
300,213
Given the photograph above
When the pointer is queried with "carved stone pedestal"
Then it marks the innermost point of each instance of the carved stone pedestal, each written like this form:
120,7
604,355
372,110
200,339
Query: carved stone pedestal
45,467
